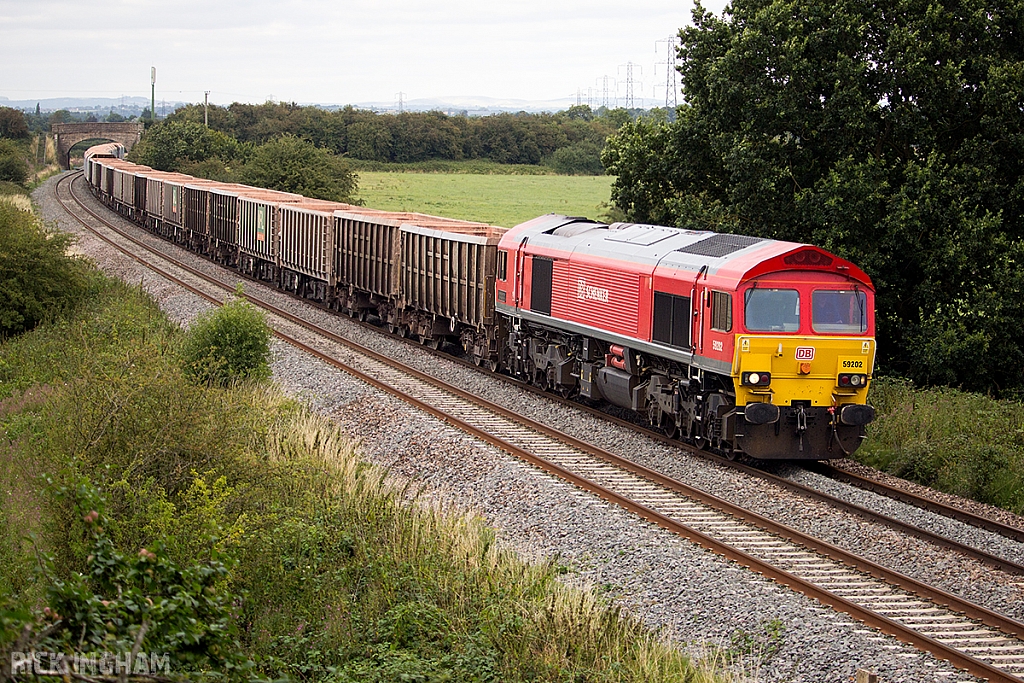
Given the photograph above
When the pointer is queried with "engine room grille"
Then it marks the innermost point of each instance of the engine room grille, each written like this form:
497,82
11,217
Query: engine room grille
718,246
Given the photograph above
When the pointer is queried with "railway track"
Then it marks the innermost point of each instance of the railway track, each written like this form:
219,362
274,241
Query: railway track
1009,566
971,637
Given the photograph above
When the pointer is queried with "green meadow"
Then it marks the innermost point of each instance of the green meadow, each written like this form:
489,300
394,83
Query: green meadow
504,200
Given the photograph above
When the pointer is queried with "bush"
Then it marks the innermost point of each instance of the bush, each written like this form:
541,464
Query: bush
229,344
140,603
37,277
13,167
581,158
958,442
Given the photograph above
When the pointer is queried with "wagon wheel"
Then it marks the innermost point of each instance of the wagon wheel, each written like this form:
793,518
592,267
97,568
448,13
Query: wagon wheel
403,331
363,314
392,328
434,343
494,365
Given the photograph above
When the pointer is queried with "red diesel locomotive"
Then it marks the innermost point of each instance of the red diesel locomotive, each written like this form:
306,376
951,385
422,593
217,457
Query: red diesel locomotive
747,345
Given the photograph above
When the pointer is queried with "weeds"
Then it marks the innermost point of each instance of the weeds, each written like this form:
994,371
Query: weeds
961,443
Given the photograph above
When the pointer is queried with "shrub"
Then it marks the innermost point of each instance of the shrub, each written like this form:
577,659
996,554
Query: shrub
228,344
958,442
37,277
138,603
581,158
13,167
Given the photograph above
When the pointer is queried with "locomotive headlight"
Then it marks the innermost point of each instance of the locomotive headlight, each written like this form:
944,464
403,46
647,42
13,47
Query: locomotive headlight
756,379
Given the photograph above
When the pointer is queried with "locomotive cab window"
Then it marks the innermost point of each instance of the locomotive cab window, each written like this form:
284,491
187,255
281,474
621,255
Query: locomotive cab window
771,310
502,264
839,311
721,312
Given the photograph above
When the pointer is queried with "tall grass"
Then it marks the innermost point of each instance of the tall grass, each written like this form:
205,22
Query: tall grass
338,576
958,442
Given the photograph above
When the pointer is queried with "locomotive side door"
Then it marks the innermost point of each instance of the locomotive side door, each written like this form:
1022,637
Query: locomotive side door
520,266
698,293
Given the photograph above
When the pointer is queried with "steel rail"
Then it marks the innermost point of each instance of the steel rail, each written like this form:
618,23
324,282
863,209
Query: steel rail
826,597
860,481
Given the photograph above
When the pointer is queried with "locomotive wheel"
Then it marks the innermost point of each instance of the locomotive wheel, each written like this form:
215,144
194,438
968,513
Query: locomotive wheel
493,365
698,436
549,381
669,426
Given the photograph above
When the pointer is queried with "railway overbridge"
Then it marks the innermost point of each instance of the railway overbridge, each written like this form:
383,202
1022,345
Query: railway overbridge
67,135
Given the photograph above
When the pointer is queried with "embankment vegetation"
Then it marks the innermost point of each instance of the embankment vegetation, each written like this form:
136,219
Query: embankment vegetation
224,524
963,443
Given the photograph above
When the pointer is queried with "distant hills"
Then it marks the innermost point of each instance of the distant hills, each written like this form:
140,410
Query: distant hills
126,106
470,105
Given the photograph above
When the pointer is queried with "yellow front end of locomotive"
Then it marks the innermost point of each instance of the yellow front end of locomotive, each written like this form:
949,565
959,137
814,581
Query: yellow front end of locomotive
821,371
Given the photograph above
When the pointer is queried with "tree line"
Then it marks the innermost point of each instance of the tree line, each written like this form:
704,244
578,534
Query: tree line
891,133
420,136
304,149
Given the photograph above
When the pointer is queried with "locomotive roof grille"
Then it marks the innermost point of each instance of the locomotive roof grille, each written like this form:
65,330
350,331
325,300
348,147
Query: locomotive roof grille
718,246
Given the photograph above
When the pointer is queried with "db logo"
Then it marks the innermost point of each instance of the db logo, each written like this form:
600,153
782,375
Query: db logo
805,353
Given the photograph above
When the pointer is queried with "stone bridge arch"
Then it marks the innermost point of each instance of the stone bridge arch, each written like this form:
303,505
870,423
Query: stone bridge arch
67,135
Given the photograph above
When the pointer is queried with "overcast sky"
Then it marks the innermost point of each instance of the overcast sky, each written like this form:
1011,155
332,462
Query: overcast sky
339,52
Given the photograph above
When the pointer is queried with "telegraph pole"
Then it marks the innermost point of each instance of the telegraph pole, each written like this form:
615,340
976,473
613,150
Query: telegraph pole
152,94
206,108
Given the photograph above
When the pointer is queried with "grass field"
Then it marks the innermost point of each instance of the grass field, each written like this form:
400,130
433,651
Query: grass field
504,200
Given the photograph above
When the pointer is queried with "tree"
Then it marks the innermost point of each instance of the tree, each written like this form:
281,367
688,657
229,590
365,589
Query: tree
891,133
581,158
13,124
290,164
13,167
168,145
37,277
369,140
60,116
